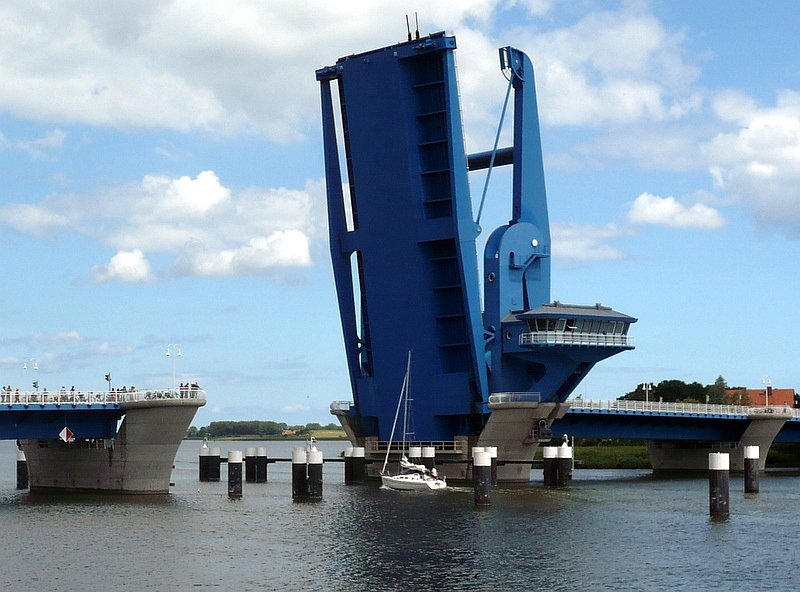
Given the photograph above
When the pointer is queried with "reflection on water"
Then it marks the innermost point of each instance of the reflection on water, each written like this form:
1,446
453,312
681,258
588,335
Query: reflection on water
612,530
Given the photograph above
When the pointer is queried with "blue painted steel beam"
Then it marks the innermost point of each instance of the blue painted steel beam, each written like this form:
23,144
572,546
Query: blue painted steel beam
403,239
790,433
650,426
46,422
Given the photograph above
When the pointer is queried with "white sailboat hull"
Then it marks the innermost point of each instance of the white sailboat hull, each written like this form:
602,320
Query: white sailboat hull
412,482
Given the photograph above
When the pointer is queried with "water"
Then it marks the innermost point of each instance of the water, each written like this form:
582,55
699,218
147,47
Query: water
612,530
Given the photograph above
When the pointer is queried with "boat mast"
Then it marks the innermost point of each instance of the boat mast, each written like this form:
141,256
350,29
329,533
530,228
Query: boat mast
403,395
405,404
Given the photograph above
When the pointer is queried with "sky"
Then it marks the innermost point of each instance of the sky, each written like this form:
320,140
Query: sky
162,186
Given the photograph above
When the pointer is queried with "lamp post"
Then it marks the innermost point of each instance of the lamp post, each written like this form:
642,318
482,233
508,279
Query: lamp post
767,382
647,387
173,351
34,366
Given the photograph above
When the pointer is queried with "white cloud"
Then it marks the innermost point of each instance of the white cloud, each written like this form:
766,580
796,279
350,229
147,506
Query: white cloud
107,349
584,242
125,266
33,219
667,211
208,229
289,248
58,338
759,163
536,8
617,67
184,196
295,408
38,147
190,64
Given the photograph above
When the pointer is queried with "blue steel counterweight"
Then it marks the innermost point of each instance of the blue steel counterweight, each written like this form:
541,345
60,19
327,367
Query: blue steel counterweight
402,240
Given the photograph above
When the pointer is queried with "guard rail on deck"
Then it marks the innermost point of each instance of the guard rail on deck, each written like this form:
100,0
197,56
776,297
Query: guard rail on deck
63,397
649,406
441,447
498,398
572,338
341,406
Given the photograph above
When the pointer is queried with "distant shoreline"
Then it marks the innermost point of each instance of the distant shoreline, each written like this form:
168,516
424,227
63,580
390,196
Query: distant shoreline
260,438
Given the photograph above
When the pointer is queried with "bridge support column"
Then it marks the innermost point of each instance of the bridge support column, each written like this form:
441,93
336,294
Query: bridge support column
764,427
513,428
683,455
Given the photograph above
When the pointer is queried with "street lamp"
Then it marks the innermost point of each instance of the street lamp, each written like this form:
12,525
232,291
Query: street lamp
647,387
34,366
177,354
767,382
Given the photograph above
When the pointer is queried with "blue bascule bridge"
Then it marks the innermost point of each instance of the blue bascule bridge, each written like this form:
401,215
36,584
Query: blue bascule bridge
488,369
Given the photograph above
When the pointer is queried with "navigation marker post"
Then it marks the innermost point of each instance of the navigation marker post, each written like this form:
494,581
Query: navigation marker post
751,454
719,484
22,471
66,435
481,476
261,464
250,465
234,474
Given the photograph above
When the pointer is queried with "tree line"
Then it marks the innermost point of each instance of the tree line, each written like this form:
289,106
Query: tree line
228,429
677,391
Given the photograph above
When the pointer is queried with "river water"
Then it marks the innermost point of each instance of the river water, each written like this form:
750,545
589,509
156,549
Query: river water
611,530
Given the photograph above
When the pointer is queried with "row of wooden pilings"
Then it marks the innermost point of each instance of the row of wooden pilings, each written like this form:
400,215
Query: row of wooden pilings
306,469
558,464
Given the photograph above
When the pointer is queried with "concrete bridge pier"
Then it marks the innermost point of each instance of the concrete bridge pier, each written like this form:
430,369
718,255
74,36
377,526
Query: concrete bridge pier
516,427
680,455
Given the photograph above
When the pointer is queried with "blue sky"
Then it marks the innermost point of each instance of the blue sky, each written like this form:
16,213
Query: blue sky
161,182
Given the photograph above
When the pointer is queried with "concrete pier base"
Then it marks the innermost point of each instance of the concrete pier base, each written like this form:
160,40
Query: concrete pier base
138,460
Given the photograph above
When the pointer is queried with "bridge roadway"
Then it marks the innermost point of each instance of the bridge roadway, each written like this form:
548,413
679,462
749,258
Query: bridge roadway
641,420
87,414
93,414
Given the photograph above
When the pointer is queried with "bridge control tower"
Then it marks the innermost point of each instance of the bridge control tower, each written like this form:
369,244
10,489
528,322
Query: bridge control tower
403,248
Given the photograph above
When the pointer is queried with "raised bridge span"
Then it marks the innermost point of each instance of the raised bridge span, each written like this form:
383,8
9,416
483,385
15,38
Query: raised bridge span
408,276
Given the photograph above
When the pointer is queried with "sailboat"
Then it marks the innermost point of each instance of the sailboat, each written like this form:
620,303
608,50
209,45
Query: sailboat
412,477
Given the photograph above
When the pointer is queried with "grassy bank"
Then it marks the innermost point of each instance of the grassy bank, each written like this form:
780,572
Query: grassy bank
612,456
317,434
609,456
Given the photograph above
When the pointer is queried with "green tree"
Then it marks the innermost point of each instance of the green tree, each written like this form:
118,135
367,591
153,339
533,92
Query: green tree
715,393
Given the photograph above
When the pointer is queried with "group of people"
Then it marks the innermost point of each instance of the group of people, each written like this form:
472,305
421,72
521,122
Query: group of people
187,389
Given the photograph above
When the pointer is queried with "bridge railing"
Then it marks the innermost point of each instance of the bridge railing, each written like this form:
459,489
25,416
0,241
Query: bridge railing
75,397
341,406
573,338
441,446
497,398
579,403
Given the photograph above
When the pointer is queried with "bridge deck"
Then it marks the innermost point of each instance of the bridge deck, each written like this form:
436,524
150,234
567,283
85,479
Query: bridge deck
88,414
645,420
